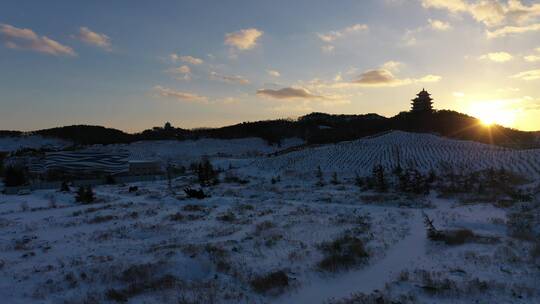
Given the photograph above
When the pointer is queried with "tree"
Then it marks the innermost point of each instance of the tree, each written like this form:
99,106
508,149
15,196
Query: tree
206,173
379,179
334,180
14,176
320,176
64,187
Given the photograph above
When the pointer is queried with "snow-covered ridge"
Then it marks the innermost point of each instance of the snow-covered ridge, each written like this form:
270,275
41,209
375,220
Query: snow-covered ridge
423,151
8,144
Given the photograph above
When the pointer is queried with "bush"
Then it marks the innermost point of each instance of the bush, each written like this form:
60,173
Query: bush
271,281
192,193
342,253
64,187
14,176
85,195
109,180
206,173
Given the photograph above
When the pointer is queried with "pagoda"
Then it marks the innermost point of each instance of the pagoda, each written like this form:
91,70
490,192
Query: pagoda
422,103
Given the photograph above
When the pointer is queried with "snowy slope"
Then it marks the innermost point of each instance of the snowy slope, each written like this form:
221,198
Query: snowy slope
193,149
8,144
423,151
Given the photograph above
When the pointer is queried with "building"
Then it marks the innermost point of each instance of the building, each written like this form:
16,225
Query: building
87,162
422,103
144,167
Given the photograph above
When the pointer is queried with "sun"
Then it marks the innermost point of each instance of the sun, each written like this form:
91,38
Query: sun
490,113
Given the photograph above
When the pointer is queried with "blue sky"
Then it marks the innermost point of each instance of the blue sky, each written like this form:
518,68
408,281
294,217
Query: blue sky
136,64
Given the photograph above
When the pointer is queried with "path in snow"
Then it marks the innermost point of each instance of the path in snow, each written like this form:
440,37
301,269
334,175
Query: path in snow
398,258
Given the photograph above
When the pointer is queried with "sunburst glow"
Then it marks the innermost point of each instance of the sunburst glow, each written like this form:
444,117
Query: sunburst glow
493,112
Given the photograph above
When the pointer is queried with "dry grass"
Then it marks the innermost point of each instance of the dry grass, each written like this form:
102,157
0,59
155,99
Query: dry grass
342,253
275,281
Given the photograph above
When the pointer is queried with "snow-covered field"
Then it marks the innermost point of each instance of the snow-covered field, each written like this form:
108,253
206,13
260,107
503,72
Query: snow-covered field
423,151
286,241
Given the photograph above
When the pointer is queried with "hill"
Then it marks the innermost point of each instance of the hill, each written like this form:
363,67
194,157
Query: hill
314,128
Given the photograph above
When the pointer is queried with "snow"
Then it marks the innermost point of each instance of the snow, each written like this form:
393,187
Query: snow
54,250
423,151
9,144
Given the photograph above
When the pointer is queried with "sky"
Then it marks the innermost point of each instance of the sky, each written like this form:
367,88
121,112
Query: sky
136,64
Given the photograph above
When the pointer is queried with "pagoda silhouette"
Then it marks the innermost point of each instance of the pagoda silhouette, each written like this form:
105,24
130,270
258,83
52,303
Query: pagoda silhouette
422,103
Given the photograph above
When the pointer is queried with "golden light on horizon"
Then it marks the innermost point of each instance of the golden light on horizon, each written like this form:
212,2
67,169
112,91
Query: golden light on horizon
494,112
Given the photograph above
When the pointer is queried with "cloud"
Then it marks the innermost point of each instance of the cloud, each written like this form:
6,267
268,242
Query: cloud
96,39
288,93
528,75
376,77
184,71
489,12
429,78
392,65
186,59
273,73
26,39
178,95
532,58
235,79
498,56
451,5
243,39
512,30
439,25
327,49
384,78
333,35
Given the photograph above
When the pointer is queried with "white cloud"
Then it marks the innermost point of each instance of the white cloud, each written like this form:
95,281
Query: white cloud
178,95
288,93
184,71
333,35
243,39
273,73
429,78
234,79
512,30
392,65
26,39
528,75
96,39
439,25
493,13
186,59
497,56
532,58
327,49
384,78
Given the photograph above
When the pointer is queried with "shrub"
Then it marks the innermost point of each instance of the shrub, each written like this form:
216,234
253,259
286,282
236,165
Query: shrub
192,193
102,218
227,217
342,253
14,177
535,251
109,180
115,295
276,280
64,187
334,180
206,173
177,217
193,208
85,195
